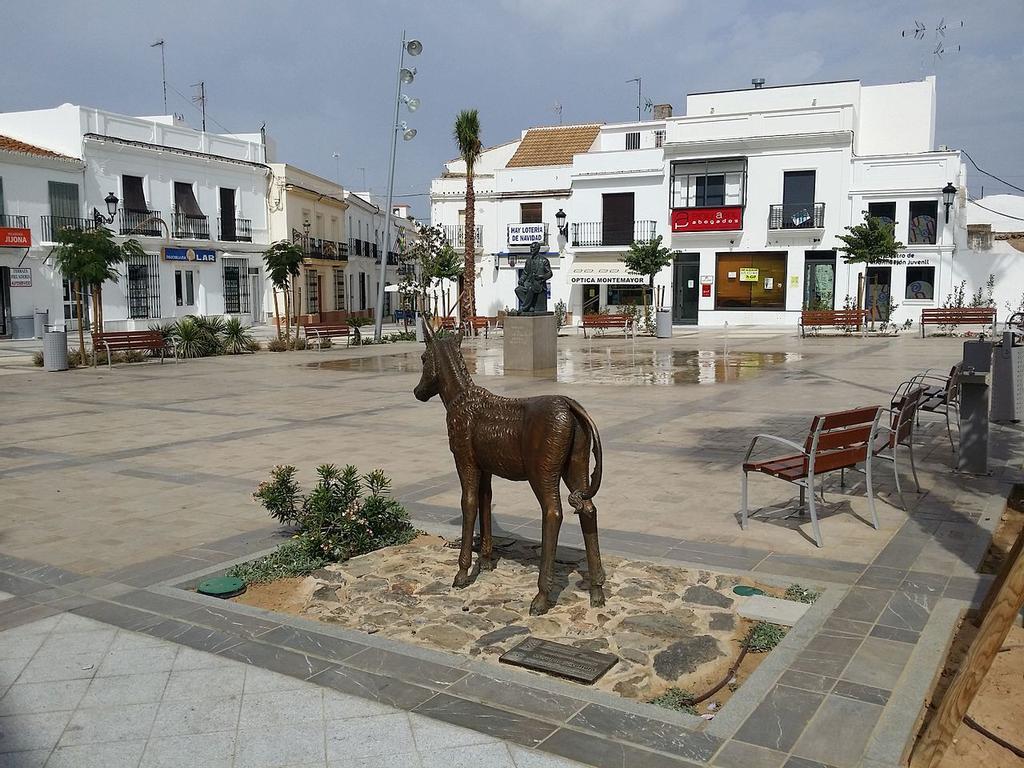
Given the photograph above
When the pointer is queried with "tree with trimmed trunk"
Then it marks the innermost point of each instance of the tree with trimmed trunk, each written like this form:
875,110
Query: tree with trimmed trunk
284,263
467,138
872,242
87,259
647,258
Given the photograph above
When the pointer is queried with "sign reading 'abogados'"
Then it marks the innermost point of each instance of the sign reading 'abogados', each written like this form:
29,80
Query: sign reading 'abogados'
721,218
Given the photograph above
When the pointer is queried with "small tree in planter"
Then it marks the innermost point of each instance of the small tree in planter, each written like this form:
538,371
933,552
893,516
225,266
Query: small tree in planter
284,263
873,242
647,258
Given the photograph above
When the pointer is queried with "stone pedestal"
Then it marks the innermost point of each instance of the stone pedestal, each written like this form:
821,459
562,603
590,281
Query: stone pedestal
530,342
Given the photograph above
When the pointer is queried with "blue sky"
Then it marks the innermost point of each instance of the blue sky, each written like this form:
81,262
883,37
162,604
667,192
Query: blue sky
321,73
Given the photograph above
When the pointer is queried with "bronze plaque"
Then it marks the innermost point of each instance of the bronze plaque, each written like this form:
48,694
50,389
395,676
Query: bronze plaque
560,660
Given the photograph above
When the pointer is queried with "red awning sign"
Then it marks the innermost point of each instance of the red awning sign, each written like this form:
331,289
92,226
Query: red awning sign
722,218
15,237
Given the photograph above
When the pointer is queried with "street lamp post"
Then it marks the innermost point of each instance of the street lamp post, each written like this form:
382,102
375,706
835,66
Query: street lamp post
405,76
111,201
948,196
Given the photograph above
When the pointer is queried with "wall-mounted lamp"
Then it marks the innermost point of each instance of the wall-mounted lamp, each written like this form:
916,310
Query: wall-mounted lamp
948,196
563,228
111,201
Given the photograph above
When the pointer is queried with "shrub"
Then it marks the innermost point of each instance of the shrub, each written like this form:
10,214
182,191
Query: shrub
764,636
237,338
37,359
560,312
677,699
801,594
358,322
277,345
344,515
401,336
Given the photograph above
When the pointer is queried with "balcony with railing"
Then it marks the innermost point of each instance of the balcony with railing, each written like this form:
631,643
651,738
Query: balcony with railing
145,223
191,227
52,225
455,234
318,248
235,230
797,216
591,234
12,220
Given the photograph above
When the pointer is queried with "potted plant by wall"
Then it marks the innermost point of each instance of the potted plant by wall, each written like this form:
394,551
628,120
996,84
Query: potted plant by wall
649,258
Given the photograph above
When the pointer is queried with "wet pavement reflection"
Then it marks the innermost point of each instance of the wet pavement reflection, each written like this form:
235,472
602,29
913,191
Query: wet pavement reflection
598,366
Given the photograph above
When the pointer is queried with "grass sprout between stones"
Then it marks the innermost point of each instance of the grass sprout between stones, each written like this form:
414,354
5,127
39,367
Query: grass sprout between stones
801,594
677,699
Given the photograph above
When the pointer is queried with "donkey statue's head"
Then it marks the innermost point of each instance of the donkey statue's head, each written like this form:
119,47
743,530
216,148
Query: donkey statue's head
442,362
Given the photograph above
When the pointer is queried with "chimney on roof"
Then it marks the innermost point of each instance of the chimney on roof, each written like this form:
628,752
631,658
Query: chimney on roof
662,111
757,82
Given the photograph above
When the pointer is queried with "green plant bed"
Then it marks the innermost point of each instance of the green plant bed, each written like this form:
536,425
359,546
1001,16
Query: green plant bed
344,515
763,637
677,699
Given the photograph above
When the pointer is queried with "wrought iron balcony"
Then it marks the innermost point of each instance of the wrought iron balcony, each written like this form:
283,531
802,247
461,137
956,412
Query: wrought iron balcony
11,220
235,230
52,225
188,227
317,248
587,234
798,216
455,234
146,223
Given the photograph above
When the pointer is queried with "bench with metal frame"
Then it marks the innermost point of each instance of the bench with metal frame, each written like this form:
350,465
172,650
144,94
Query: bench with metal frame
605,322
473,325
900,431
833,318
835,442
954,316
317,332
122,341
941,396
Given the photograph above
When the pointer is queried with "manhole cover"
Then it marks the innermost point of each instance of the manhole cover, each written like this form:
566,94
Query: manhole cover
744,591
221,586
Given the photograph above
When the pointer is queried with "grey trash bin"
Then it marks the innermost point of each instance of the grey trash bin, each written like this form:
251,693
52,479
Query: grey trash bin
1008,379
664,330
42,319
55,349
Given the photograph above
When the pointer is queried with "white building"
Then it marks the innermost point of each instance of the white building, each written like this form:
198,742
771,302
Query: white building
367,241
749,189
995,233
196,202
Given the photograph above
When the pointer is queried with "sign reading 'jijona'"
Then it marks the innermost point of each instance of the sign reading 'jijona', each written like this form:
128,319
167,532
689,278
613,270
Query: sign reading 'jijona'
561,660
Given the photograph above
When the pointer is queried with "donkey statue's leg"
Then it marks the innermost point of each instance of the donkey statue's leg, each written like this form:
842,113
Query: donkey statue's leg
486,543
577,479
470,479
548,495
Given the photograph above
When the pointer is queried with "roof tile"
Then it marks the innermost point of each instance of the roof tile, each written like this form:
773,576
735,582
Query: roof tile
554,145
8,144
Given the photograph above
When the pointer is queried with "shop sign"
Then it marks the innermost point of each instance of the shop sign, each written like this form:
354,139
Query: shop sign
190,254
15,237
21,277
524,234
707,279
705,290
722,218
912,260
605,276
749,274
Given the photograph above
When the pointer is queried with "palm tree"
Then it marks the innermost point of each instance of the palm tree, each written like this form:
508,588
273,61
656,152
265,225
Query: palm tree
284,262
467,138
87,259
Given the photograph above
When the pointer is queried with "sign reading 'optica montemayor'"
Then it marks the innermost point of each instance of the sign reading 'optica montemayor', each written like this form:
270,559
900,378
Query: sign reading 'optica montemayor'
189,254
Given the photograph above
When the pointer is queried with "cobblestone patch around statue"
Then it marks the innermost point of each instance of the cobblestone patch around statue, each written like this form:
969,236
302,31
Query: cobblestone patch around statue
669,626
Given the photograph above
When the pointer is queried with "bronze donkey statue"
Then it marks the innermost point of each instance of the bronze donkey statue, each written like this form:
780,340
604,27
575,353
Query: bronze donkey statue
538,439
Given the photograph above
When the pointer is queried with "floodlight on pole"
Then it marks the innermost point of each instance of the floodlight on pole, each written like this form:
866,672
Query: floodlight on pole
405,77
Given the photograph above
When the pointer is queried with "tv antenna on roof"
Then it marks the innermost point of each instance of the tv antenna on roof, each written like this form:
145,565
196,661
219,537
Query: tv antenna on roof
200,99
648,105
940,44
558,111
163,69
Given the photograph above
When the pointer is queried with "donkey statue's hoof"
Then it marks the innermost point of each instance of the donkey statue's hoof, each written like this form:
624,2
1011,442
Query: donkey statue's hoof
596,597
461,580
540,605
487,563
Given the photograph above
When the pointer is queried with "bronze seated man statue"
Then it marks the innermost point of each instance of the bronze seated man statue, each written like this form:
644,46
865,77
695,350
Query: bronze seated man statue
532,290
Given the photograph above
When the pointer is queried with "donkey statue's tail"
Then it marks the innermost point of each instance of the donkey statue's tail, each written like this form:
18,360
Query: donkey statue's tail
580,498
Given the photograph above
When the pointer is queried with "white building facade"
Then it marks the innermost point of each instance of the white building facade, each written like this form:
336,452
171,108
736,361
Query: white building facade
750,191
196,202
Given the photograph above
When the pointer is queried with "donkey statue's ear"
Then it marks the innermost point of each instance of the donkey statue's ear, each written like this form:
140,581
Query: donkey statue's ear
458,338
429,334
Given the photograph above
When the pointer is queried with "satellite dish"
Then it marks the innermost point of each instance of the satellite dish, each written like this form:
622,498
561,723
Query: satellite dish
414,47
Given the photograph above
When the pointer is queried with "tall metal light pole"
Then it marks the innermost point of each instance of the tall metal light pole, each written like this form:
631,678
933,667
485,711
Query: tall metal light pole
405,76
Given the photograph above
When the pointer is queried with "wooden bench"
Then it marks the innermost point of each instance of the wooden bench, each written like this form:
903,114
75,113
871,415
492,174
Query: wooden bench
835,441
602,323
317,332
954,316
120,341
832,318
473,325
446,323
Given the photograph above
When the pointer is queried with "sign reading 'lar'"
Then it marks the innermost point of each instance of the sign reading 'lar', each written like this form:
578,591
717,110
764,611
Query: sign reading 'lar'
189,254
